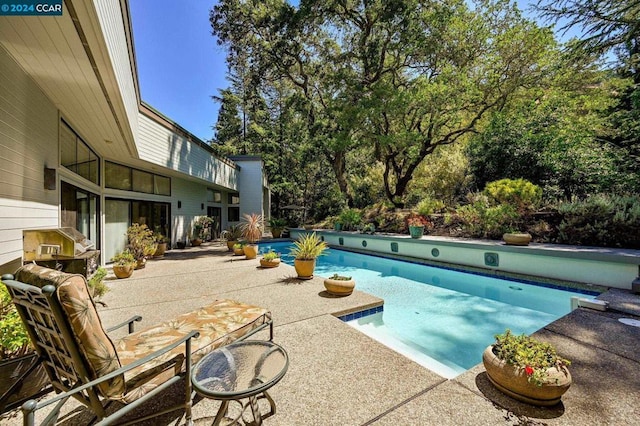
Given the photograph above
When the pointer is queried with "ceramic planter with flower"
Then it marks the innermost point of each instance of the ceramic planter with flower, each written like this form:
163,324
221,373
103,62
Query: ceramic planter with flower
526,369
417,224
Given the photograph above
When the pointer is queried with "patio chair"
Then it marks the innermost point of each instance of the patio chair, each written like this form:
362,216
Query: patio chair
83,362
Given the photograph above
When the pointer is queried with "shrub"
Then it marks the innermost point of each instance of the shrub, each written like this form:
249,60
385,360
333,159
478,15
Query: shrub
517,192
14,340
350,219
484,221
601,220
429,205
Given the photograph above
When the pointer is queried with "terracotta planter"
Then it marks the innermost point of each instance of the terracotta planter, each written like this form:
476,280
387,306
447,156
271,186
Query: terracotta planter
123,271
238,251
196,242
141,263
304,268
416,231
160,250
270,263
339,287
513,381
231,243
517,238
251,251
276,232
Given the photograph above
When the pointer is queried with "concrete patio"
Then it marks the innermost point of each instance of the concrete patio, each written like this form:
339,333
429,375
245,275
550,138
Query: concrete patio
338,376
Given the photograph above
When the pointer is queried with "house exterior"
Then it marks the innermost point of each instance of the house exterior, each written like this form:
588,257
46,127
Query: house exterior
80,149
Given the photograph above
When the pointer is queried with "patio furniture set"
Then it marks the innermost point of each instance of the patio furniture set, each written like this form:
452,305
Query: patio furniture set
114,377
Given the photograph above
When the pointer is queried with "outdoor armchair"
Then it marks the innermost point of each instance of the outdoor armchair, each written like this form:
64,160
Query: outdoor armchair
83,362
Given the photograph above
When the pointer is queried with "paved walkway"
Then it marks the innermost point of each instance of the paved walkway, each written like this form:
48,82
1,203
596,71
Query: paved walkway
338,376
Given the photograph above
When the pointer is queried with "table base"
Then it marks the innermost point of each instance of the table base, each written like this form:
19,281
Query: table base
251,403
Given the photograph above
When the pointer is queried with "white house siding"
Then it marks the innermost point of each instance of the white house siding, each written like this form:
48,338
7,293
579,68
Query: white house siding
191,196
250,185
28,143
159,145
111,21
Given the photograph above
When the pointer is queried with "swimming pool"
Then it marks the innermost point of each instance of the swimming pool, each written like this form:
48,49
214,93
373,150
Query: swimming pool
441,318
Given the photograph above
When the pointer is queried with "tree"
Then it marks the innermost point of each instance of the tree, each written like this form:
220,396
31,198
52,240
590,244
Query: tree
228,136
609,26
398,77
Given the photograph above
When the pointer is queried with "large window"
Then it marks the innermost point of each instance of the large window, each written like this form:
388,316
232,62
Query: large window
79,210
120,214
126,178
76,155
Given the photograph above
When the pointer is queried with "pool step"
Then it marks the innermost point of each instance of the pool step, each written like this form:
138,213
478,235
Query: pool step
598,305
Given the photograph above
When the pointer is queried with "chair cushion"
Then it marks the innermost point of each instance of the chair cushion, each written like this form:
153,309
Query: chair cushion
219,324
92,341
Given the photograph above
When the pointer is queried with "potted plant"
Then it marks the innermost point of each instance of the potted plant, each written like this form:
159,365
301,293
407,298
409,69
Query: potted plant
526,369
201,230
277,225
339,285
123,264
181,244
417,224
232,234
161,242
238,249
252,232
271,259
516,238
142,244
96,285
305,250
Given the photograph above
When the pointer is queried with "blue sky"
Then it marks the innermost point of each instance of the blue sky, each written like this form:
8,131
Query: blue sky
180,66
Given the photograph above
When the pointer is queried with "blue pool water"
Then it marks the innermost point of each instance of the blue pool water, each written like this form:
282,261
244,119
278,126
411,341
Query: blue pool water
441,318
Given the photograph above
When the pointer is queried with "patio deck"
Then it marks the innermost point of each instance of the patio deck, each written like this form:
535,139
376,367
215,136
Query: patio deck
338,376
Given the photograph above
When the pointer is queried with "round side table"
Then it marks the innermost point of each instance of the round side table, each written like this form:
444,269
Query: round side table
241,370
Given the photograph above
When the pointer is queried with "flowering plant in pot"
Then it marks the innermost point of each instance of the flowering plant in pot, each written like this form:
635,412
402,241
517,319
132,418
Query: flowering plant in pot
527,369
305,250
417,224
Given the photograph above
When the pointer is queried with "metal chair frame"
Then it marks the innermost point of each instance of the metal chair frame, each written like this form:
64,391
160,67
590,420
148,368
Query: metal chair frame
51,334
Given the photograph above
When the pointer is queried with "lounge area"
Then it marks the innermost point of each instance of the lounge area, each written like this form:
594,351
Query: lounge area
337,375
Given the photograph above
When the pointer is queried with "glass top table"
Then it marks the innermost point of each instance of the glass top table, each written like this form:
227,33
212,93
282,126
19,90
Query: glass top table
241,370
